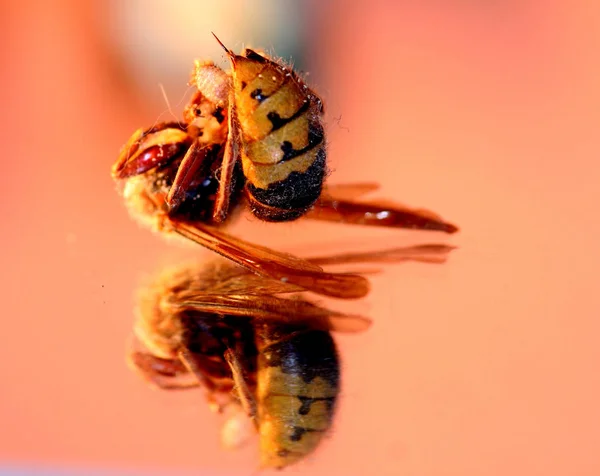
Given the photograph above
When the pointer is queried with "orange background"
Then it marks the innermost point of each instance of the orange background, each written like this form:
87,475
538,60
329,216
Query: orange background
486,112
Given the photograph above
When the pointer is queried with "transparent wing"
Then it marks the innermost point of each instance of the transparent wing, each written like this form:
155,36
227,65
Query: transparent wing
427,253
272,264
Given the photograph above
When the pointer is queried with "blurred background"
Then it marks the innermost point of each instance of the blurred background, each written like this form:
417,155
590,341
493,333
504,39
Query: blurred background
486,112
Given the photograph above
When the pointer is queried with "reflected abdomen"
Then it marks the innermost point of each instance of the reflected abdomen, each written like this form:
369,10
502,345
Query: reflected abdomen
297,387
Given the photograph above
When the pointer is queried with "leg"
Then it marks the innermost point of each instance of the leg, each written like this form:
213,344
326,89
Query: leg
188,360
230,158
245,396
167,374
186,173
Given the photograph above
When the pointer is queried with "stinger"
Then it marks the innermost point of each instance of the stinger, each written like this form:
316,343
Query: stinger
230,53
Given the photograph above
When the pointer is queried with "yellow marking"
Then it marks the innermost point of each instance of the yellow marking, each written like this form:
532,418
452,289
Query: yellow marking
286,411
268,82
286,102
271,380
261,176
268,150
245,70
274,437
246,104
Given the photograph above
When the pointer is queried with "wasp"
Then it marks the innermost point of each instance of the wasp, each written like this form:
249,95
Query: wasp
253,342
253,135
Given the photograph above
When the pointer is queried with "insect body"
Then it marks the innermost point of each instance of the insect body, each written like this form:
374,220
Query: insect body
254,134
243,338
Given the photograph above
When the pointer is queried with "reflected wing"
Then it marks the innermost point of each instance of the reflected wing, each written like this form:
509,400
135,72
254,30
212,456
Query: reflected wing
272,308
428,253
238,280
244,294
272,264
334,205
248,283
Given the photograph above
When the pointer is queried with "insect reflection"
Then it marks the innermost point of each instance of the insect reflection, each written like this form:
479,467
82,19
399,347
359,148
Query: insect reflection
259,344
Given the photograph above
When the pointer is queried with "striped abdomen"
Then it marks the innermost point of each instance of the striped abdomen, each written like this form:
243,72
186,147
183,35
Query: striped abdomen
283,147
297,387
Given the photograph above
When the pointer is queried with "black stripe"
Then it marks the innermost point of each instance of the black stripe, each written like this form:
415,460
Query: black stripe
308,401
307,354
315,137
254,56
299,431
279,122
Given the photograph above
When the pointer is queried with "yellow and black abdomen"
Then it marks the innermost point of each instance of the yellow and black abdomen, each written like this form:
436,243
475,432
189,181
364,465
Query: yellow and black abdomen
282,144
297,386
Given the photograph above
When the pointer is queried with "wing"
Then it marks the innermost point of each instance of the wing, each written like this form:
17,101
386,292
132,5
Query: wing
246,282
334,205
428,253
271,308
237,280
272,264
244,294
